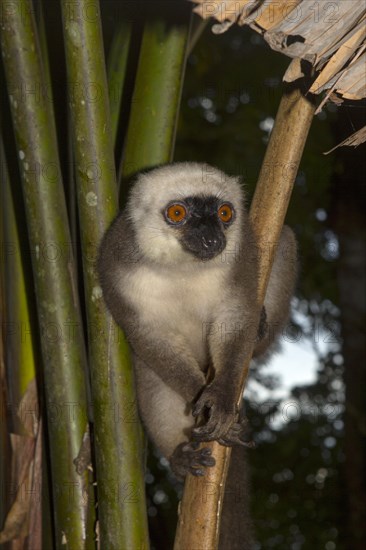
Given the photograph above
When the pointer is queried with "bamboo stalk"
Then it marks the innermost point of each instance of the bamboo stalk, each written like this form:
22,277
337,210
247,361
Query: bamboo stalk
57,301
5,451
199,517
116,72
119,469
20,349
156,98
42,36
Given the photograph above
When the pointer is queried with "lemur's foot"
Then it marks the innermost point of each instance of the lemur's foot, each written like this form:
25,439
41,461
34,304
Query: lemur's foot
188,458
236,435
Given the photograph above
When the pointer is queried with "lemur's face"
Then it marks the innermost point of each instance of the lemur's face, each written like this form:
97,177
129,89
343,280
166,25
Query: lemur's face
186,213
200,223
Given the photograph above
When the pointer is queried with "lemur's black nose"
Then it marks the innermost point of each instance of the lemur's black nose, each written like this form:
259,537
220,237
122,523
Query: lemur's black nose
207,243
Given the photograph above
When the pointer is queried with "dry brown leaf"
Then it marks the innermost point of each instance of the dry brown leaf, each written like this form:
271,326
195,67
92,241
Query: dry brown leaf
35,512
16,525
338,60
25,472
28,410
352,141
225,10
293,71
326,34
16,522
272,13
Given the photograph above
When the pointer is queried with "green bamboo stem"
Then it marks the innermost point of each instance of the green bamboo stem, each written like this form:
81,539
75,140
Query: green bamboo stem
119,469
155,105
5,455
42,35
116,72
5,452
57,302
20,349
22,352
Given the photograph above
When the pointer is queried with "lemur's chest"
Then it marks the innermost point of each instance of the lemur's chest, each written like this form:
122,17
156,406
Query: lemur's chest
176,299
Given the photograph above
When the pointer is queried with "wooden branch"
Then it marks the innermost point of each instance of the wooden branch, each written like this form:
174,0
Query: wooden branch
277,176
200,509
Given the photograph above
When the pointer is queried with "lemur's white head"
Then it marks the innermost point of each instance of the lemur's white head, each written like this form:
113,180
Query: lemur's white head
186,212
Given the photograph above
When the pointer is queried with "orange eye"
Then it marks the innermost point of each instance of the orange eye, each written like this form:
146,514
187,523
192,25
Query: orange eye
176,213
225,213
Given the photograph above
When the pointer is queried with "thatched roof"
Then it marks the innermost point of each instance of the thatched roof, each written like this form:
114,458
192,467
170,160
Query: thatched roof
329,35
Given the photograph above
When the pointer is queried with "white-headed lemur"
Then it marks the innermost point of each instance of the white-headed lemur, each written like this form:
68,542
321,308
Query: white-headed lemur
179,273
